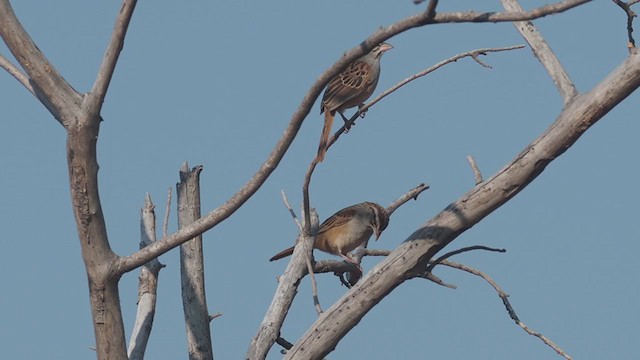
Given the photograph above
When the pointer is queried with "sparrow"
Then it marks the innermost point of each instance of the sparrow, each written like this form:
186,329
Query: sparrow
350,88
346,230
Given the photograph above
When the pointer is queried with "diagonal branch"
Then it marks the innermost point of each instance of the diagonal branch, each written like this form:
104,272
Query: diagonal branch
225,210
543,52
472,53
94,99
147,286
507,304
49,86
573,121
14,71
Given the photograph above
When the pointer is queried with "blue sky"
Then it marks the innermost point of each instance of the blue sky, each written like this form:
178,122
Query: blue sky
215,83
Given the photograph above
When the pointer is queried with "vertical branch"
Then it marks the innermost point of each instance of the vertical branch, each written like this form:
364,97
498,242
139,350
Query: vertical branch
194,300
626,7
147,286
269,329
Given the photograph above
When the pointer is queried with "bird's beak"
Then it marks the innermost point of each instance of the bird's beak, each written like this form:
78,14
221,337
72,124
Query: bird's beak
385,47
377,232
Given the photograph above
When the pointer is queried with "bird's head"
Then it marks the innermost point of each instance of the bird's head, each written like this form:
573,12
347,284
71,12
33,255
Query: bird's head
379,220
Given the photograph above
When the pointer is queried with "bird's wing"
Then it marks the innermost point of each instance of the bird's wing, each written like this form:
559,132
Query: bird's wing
338,219
346,86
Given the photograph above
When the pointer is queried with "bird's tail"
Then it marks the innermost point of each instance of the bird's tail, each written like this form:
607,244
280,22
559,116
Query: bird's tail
324,139
282,254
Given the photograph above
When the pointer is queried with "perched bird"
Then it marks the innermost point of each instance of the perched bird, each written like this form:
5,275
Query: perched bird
350,88
346,230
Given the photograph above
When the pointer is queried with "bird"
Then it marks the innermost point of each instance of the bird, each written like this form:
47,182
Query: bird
350,88
346,230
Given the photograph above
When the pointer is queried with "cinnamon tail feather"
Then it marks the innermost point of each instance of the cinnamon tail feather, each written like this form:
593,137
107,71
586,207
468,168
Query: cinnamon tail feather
324,139
282,254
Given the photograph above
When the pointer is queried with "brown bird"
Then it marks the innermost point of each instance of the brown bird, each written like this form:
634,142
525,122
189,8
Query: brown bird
350,88
346,230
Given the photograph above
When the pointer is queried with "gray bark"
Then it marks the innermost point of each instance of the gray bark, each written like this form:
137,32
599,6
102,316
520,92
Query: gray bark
194,300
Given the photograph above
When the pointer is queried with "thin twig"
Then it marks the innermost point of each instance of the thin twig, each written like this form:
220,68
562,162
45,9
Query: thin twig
314,287
14,71
543,52
505,300
411,194
437,261
309,258
306,203
471,53
363,109
626,7
291,212
437,280
214,316
167,211
475,169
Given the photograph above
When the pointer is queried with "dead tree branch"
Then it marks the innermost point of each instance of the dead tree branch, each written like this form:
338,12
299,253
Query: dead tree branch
543,53
148,286
194,298
475,169
573,121
505,300
626,7
128,263
14,71
473,53
95,98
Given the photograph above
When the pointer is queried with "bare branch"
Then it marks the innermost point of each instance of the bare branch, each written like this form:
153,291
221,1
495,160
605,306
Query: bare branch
473,53
94,99
49,86
286,291
167,211
14,71
437,261
411,194
291,212
626,7
430,276
148,285
314,285
194,299
214,316
505,300
306,202
543,52
128,263
475,169
573,121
